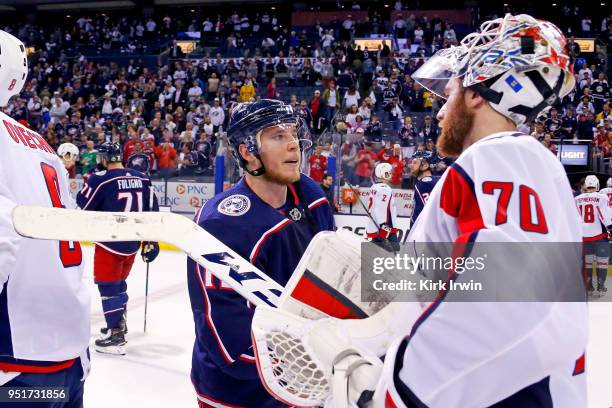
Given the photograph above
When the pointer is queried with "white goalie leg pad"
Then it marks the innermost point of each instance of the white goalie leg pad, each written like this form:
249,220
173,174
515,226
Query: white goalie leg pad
301,362
327,280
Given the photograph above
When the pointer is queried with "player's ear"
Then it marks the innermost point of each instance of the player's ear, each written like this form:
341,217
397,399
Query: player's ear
245,154
473,99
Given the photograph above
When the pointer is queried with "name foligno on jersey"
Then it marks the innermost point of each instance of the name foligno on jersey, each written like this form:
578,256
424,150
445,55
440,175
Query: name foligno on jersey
126,184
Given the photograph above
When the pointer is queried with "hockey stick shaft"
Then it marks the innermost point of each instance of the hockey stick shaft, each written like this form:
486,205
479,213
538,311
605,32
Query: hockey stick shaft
201,246
363,206
151,200
146,297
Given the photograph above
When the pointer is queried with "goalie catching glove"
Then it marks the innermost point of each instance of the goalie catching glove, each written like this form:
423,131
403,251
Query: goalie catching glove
310,363
149,251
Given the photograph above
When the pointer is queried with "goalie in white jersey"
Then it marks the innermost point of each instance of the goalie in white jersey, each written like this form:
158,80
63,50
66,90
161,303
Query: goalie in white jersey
382,224
44,303
480,354
596,222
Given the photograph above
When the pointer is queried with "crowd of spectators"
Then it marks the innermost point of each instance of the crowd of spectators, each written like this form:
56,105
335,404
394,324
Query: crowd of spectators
176,112
96,34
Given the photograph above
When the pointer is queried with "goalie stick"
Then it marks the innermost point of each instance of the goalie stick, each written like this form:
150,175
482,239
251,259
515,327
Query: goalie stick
201,246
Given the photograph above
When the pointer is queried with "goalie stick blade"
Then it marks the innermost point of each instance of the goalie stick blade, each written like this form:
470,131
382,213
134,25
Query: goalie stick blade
77,225
206,250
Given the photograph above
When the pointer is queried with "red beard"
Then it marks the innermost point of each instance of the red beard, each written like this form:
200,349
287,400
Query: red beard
455,127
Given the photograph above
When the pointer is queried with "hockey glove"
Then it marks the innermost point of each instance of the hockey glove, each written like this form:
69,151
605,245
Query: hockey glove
149,251
384,231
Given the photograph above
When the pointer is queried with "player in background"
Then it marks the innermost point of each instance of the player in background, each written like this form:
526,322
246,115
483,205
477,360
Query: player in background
608,192
269,218
44,301
382,226
116,189
420,167
596,222
504,187
69,154
139,160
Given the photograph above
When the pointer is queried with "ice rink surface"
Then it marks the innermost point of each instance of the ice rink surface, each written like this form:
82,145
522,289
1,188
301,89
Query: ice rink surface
155,371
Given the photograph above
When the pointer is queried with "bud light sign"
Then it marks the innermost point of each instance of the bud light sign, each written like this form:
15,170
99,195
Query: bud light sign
573,155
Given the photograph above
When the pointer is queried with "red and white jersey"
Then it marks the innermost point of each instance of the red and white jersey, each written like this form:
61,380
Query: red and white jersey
608,193
595,215
504,188
44,303
381,206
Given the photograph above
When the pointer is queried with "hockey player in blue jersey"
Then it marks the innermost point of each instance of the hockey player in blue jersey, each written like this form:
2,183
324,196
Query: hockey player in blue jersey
268,217
116,189
420,167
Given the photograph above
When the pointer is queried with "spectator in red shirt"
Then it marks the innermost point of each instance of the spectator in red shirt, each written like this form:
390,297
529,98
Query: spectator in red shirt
316,109
606,147
600,136
385,153
393,155
396,160
271,90
318,165
364,165
166,156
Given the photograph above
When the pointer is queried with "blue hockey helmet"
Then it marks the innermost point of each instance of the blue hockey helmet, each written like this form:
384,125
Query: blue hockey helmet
139,162
111,152
424,156
248,119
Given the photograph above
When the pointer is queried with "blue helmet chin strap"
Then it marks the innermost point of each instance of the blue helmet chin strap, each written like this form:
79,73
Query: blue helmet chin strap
259,171
244,164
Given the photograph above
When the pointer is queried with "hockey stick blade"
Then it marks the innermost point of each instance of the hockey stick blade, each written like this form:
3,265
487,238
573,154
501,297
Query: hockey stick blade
210,253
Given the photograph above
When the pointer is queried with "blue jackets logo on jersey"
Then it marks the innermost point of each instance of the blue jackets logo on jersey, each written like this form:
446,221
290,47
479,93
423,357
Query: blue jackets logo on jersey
235,205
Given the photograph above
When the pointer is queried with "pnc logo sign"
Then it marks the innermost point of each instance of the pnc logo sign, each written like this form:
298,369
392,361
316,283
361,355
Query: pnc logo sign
194,202
180,189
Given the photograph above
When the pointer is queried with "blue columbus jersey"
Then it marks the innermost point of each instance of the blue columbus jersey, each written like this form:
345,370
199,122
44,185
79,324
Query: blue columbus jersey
117,190
223,363
422,188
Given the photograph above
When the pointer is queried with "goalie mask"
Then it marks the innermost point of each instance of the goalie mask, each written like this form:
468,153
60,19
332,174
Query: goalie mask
520,65
249,119
68,152
13,67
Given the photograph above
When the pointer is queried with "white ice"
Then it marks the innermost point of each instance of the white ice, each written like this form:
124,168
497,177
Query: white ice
155,371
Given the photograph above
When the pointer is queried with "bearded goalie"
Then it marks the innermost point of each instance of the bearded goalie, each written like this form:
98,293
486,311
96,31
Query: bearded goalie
462,354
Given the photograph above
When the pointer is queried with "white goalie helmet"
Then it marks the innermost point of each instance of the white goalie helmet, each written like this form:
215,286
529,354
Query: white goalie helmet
520,65
591,181
68,152
609,182
13,67
383,171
